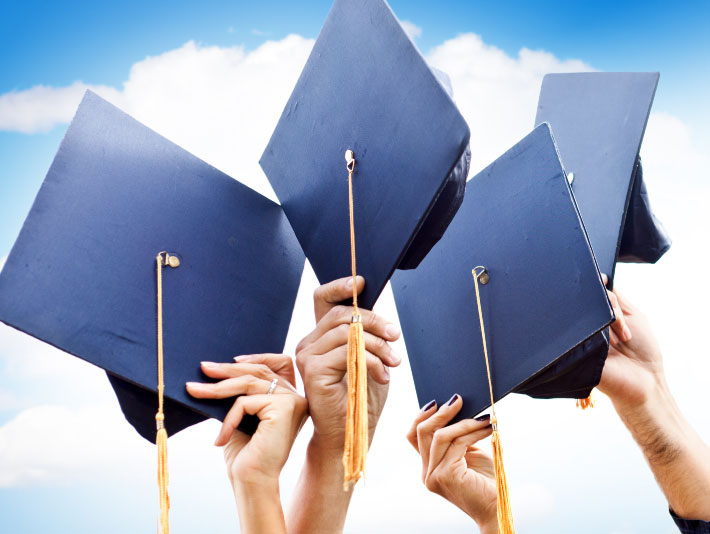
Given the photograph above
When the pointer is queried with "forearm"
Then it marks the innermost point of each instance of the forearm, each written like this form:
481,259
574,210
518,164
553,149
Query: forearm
259,506
679,459
320,504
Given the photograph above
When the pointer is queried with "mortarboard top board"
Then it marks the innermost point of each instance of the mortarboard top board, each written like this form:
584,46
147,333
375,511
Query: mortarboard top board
365,87
82,273
598,121
544,298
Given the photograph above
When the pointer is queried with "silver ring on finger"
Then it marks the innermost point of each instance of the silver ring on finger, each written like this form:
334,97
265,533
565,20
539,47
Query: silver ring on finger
273,385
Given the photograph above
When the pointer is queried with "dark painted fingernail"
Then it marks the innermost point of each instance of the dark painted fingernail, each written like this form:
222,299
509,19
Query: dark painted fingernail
453,399
483,417
429,405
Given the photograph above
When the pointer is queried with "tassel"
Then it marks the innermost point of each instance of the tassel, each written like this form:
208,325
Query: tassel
356,422
161,440
587,403
356,429
505,512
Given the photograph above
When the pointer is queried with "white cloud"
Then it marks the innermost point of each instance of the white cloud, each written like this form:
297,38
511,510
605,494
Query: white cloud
2,262
497,93
411,29
222,104
42,107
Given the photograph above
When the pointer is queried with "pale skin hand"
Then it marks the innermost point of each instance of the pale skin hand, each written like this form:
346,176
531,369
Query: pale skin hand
633,379
452,464
254,462
320,503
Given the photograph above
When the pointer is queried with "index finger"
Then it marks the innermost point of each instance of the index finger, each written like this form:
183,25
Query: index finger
333,293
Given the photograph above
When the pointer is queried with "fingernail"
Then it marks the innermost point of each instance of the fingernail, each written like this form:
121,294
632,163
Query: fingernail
483,417
395,357
193,384
208,364
392,331
245,358
349,283
429,405
453,399
627,334
387,372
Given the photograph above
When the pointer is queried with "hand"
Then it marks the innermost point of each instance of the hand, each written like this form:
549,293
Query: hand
255,462
634,366
452,465
322,362
281,415
319,503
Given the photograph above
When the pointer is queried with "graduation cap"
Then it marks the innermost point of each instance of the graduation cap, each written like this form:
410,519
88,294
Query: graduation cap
82,273
366,88
367,94
543,298
598,120
509,295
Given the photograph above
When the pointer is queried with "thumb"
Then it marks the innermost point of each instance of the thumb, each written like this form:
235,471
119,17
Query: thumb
333,293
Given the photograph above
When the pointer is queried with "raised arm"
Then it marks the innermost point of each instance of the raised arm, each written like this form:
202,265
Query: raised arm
254,462
634,380
320,503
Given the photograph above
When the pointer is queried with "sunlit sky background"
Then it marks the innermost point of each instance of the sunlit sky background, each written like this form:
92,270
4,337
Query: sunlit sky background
218,76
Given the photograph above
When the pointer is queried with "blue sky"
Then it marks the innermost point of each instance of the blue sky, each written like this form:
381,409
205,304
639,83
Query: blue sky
58,43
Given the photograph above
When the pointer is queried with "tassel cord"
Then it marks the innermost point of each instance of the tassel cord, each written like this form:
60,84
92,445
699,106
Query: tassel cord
505,513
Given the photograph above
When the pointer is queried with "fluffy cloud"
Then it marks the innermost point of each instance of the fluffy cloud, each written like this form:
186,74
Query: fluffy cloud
222,104
41,108
497,93
411,29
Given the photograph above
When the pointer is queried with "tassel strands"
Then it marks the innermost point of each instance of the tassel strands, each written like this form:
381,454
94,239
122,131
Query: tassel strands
356,425
161,439
505,513
587,403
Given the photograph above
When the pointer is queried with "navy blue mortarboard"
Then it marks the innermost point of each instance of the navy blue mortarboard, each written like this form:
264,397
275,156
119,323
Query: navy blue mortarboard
82,273
544,305
598,120
367,88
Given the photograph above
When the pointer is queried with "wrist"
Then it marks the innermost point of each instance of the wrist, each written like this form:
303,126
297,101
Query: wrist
655,394
266,486
320,503
253,480
259,506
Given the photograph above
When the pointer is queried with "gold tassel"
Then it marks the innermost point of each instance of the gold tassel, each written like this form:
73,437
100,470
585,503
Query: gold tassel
161,438
505,512
587,403
356,423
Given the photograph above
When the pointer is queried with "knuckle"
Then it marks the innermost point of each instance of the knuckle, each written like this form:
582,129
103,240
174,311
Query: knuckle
320,293
459,441
343,329
431,482
381,344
